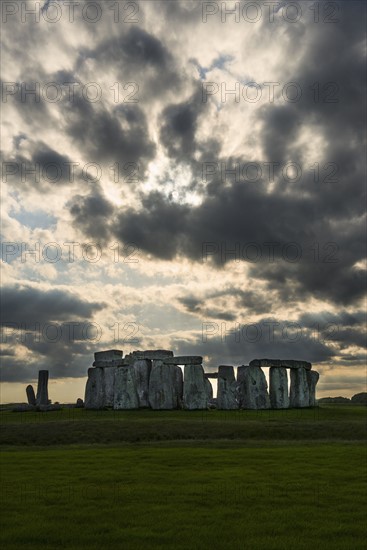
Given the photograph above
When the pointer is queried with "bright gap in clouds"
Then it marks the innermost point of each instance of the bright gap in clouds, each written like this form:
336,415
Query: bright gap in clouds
174,182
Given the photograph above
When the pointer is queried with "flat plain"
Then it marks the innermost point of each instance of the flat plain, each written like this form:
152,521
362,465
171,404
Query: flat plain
184,479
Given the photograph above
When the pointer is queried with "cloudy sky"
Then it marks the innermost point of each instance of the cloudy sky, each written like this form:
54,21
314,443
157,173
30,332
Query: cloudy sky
182,175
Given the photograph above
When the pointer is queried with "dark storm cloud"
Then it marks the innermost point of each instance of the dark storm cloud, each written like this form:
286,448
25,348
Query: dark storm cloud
148,227
38,167
136,56
246,301
179,126
31,305
228,351
92,213
119,136
55,327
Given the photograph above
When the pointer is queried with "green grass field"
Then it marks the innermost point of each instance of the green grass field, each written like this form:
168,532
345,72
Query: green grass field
187,480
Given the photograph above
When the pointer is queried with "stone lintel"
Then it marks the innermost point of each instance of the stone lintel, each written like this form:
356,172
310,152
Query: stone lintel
109,355
183,360
287,363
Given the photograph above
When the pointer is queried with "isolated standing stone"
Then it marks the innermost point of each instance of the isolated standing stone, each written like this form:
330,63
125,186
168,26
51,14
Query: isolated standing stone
126,391
142,369
299,395
30,395
195,388
79,403
42,388
312,379
252,388
227,388
163,386
94,389
278,380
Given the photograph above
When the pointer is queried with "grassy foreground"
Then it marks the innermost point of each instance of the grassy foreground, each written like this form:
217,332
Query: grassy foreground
218,480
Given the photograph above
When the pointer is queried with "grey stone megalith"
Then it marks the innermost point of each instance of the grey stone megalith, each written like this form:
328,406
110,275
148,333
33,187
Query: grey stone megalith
278,382
195,388
94,389
252,388
126,389
30,395
142,369
163,386
227,388
312,379
299,395
42,388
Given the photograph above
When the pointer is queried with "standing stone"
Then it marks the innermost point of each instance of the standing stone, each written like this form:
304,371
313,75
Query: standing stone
109,385
312,379
227,388
209,389
142,369
79,403
163,386
126,391
299,395
42,388
179,387
252,388
94,389
195,388
278,378
30,395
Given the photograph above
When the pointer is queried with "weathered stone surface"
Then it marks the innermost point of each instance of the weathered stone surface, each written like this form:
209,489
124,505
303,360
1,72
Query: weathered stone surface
30,395
195,388
209,390
42,388
288,363
48,408
94,389
23,407
184,360
142,369
299,395
312,379
108,356
227,388
278,381
109,385
163,386
126,391
252,388
179,386
211,375
79,403
109,363
150,354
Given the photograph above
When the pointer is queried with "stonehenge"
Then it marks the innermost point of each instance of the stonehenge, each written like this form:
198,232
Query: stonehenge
159,380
